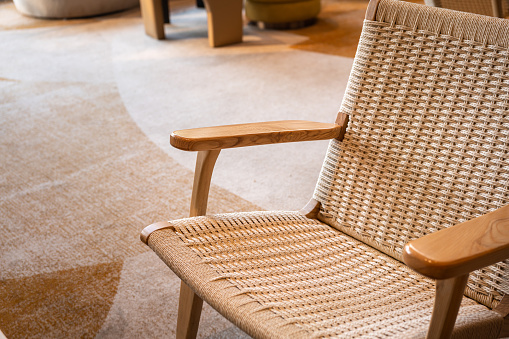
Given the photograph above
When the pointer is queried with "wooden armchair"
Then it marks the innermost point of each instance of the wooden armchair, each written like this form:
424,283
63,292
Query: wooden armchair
407,234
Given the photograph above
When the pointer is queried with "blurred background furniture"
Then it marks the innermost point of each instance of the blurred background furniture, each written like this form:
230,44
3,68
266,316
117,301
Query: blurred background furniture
407,232
497,8
224,18
282,14
67,9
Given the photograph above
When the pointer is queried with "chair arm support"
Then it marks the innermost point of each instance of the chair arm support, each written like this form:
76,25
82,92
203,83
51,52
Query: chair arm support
462,248
261,133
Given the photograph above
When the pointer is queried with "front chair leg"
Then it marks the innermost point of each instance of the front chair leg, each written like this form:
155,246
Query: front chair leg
190,306
449,293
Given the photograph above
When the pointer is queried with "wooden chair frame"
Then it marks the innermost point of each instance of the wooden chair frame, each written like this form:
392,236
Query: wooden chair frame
476,243
479,242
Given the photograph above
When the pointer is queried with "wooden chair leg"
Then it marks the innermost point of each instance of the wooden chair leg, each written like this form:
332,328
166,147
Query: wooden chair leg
224,22
205,161
153,18
449,293
497,8
190,306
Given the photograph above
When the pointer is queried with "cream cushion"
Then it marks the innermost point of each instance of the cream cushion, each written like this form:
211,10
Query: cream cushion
63,9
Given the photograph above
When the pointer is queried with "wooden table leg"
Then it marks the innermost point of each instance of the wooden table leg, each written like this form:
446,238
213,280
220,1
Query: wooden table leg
153,18
224,22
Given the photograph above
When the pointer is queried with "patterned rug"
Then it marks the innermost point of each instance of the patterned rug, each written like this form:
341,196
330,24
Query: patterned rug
86,107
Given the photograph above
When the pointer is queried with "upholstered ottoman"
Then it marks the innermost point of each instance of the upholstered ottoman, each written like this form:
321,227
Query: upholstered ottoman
282,14
64,9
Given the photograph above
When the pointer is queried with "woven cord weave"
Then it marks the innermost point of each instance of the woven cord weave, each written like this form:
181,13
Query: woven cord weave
428,139
281,275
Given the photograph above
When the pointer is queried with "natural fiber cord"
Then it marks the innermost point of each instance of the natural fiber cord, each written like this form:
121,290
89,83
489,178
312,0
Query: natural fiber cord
279,274
428,139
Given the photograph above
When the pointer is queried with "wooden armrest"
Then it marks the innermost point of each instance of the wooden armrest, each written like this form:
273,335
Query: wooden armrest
272,132
462,248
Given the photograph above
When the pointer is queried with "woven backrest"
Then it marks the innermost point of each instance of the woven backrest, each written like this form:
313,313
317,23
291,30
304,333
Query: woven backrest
484,7
428,139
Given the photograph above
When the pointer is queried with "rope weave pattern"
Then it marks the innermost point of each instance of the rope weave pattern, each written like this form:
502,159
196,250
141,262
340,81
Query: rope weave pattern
317,278
428,141
426,148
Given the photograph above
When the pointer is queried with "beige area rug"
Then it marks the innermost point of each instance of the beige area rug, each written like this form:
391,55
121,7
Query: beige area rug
86,107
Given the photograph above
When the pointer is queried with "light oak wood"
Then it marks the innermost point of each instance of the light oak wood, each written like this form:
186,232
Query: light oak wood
342,120
153,18
371,10
189,312
190,304
497,8
462,248
224,20
220,137
311,209
449,293
205,162
147,231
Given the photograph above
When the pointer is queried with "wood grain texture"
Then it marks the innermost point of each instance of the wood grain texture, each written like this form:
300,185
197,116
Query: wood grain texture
497,8
205,162
153,18
342,120
448,296
224,20
189,312
311,209
462,248
262,133
371,11
190,304
147,231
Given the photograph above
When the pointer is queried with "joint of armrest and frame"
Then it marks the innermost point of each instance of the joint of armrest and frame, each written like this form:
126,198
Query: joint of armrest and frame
209,141
461,249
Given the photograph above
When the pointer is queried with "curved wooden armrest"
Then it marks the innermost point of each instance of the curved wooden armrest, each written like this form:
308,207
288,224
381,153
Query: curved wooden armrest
261,133
463,248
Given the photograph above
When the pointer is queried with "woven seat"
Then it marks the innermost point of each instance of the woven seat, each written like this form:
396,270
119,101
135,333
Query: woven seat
292,276
410,215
